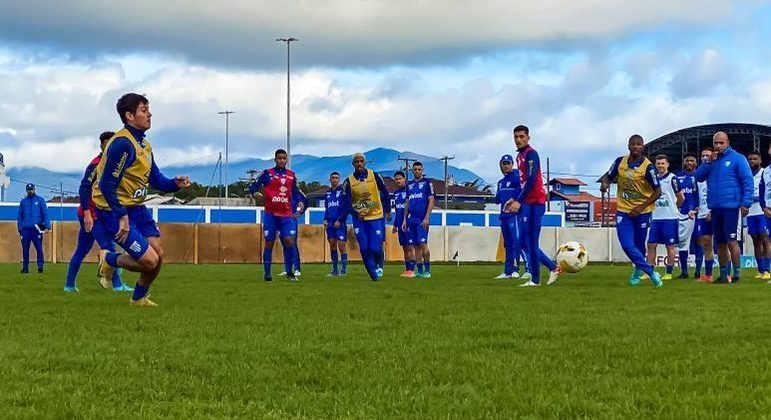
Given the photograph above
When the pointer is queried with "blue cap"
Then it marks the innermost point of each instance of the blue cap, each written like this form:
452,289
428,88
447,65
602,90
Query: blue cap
507,158
30,186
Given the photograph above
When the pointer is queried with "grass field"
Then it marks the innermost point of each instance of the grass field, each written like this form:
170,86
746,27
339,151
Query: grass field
223,343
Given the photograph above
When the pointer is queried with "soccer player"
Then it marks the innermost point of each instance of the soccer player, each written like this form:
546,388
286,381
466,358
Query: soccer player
638,190
280,187
765,203
703,229
509,188
365,197
124,174
729,180
530,205
665,216
89,231
337,237
400,198
687,217
417,213
32,222
756,221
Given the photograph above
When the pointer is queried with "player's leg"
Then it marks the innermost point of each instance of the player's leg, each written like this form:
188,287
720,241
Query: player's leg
424,250
670,261
270,231
105,242
37,242
733,234
654,238
684,233
26,240
508,248
342,248
381,255
532,233
627,231
332,241
287,232
376,236
85,242
297,262
361,230
721,240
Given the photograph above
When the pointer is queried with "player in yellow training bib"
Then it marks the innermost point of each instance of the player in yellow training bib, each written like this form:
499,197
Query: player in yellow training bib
124,174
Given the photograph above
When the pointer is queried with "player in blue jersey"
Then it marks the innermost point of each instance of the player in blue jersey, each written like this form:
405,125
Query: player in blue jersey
664,219
687,184
417,214
638,190
702,232
336,237
509,188
366,198
400,198
280,188
756,220
764,196
300,204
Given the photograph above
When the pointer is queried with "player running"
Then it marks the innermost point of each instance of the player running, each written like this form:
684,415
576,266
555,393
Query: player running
124,174
638,190
336,237
509,188
365,197
280,187
417,213
90,231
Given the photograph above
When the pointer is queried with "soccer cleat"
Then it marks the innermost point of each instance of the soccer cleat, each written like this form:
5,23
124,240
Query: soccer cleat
342,274
515,275
123,288
527,276
418,275
766,276
683,276
554,275
705,279
667,276
733,280
39,270
427,275
283,273
332,274
23,271
292,278
759,276
379,272
268,277
297,273
71,289
634,278
143,301
503,276
529,283
105,270
104,283
656,280
408,274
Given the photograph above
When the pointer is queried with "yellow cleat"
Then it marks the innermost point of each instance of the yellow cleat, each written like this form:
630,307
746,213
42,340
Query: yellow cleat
106,284
105,270
666,277
144,301
766,276
759,276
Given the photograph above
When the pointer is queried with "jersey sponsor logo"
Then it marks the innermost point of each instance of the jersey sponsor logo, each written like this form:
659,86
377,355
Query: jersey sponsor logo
135,246
279,199
121,164
283,181
283,189
416,196
334,203
140,193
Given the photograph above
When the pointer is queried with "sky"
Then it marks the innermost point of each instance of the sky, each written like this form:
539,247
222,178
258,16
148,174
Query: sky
433,77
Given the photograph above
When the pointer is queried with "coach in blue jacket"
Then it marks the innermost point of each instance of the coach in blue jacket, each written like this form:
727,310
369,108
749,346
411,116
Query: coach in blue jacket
33,221
729,194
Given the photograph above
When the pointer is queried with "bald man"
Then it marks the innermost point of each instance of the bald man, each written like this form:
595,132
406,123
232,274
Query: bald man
729,195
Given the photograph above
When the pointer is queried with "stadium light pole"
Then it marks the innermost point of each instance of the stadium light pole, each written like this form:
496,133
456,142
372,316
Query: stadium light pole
227,126
288,42
446,187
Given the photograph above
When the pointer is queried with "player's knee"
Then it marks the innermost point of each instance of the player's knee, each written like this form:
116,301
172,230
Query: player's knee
149,261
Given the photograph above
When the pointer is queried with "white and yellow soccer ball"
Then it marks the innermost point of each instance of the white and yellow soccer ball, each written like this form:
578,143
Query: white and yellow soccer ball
572,257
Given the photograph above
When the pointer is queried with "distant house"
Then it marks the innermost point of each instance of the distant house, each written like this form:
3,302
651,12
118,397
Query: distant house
580,206
569,189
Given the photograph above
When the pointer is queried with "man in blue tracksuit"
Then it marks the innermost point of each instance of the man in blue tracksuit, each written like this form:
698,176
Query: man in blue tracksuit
729,194
508,188
32,222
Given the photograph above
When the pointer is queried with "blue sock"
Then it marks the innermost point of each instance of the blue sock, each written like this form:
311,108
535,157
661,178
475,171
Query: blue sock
737,271
427,266
344,259
297,265
334,261
670,268
683,256
289,260
116,280
708,267
420,268
406,265
112,259
699,262
723,272
267,257
411,265
763,265
140,291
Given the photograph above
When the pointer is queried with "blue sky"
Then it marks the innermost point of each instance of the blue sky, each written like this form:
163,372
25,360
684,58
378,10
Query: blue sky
435,78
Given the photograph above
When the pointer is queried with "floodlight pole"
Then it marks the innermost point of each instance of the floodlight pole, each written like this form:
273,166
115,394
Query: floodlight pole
288,42
446,178
227,120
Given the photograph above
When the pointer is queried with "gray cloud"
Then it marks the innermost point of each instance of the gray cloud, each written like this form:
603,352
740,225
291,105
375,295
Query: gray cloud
338,33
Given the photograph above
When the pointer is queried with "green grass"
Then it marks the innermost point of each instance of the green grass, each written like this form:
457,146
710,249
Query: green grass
224,343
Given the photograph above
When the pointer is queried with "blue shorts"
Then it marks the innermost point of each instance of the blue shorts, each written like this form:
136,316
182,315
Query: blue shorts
403,238
275,225
756,225
703,228
725,224
416,235
663,232
141,226
97,234
341,233
294,230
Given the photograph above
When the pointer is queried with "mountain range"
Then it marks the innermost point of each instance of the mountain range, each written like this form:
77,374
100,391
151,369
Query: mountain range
309,168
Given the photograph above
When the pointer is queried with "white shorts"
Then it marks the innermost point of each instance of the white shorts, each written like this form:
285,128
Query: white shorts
684,232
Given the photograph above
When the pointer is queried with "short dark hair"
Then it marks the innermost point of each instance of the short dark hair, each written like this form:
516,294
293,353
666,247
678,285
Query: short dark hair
279,152
707,148
662,157
753,153
521,128
334,173
417,163
129,103
634,137
690,154
107,135
400,173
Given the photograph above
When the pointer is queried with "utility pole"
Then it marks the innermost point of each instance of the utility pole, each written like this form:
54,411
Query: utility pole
407,162
446,175
227,120
288,42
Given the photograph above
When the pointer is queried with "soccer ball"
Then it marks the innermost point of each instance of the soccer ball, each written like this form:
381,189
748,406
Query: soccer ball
572,257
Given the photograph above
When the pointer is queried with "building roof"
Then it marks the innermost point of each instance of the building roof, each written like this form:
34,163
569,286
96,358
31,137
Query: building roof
573,198
567,181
